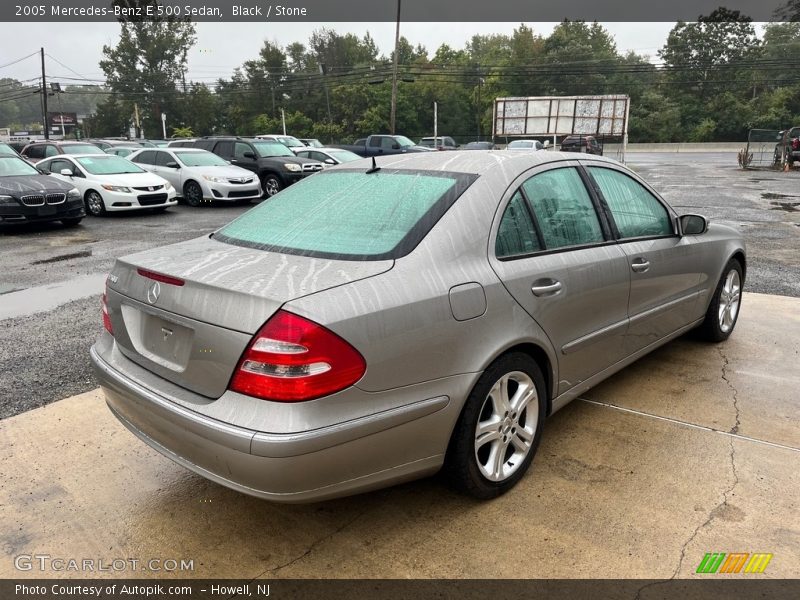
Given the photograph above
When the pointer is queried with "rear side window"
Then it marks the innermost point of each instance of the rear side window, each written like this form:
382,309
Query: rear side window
635,210
563,208
350,215
516,234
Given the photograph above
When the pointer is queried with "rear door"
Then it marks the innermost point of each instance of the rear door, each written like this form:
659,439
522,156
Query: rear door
665,274
554,252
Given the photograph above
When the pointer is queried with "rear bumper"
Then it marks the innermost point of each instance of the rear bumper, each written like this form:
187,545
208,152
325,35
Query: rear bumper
354,456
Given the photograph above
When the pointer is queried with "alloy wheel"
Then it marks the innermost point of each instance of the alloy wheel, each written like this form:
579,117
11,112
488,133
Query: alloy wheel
729,301
506,427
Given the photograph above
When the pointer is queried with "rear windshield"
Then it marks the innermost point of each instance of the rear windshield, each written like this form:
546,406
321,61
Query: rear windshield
349,214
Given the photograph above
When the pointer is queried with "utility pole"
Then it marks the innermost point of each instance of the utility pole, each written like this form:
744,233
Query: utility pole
44,100
393,112
136,120
324,71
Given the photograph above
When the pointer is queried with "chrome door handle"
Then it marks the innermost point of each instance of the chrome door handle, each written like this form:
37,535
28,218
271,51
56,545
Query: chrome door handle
640,265
546,290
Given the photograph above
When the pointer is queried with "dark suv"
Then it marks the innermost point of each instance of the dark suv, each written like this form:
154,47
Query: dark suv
275,165
36,151
581,143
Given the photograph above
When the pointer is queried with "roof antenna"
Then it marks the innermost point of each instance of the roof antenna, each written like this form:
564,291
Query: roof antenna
375,168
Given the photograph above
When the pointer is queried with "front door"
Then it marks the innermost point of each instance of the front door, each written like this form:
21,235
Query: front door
558,261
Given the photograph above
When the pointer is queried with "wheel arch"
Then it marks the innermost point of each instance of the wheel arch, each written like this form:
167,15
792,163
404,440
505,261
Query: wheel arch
542,359
740,256
188,181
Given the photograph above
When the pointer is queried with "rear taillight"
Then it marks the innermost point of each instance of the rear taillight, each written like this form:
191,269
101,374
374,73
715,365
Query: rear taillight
106,319
292,359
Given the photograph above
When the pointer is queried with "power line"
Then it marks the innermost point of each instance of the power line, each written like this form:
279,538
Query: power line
13,62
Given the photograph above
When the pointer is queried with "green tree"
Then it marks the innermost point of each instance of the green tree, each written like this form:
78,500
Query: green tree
708,56
148,64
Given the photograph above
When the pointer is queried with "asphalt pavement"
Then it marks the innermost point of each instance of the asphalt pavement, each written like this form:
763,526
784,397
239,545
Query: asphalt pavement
51,277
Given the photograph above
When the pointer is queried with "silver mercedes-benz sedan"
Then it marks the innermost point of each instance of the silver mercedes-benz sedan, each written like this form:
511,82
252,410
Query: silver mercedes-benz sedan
377,323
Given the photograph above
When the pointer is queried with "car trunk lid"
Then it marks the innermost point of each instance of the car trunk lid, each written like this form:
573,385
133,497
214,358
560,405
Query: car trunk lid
186,312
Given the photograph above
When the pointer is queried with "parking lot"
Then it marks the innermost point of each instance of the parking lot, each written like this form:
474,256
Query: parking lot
694,449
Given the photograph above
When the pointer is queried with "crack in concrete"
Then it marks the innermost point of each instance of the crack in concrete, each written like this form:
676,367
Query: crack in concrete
307,551
734,391
725,495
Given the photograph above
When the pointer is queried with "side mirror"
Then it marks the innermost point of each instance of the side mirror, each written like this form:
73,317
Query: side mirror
249,154
66,172
693,224
330,161
172,165
395,146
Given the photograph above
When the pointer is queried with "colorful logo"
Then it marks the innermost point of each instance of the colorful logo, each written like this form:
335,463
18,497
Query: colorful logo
734,562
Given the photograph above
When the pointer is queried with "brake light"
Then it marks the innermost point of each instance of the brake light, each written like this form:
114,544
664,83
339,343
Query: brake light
160,277
292,359
106,319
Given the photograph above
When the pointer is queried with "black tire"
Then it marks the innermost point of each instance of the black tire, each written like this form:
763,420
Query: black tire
192,193
468,458
72,222
715,327
95,205
271,184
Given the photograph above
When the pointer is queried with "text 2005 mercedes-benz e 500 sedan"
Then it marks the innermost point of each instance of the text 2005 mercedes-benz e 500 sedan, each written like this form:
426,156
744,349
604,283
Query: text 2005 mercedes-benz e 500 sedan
374,324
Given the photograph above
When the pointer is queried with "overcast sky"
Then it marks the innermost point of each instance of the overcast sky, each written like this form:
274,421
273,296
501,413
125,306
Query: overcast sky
223,46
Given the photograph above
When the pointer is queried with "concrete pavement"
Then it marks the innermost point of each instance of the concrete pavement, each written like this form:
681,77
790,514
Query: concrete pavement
694,449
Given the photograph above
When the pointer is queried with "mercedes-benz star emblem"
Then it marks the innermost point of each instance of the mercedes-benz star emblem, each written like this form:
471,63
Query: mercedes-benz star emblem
154,292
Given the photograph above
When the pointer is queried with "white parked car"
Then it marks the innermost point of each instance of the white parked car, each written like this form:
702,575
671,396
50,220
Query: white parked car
291,142
199,175
525,145
111,183
329,157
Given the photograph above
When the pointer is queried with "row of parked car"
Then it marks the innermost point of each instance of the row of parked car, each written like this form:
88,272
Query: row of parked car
124,175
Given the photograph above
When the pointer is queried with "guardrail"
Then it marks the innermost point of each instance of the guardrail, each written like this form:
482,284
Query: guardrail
678,147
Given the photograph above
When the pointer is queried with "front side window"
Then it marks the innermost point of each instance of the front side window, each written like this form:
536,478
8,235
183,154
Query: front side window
350,215
240,148
162,158
635,210
145,158
563,209
516,234
51,151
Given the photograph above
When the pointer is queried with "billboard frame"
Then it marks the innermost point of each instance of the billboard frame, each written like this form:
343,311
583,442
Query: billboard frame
554,116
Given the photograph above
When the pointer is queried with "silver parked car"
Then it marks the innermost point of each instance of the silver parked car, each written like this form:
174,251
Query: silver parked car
377,322
199,175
